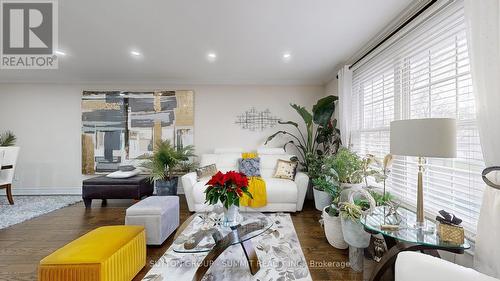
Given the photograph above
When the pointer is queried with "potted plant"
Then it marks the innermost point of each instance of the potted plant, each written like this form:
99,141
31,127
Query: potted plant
325,187
7,138
324,191
228,188
333,226
162,164
321,137
330,213
348,166
351,213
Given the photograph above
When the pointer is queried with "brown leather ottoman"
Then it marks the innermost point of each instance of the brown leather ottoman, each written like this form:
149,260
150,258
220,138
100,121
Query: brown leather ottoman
108,188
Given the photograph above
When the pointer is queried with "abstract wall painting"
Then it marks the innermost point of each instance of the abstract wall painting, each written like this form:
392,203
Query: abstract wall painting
119,126
255,120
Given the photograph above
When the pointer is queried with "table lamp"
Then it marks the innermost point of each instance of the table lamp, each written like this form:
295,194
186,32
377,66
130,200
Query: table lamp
430,137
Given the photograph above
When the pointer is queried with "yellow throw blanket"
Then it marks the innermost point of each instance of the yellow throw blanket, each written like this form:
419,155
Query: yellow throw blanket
256,186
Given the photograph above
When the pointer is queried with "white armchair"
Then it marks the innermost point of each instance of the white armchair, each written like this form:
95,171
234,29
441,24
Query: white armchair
414,266
282,195
8,159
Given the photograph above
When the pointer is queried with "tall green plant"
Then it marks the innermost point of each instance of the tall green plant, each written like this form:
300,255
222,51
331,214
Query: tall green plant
320,134
165,159
7,138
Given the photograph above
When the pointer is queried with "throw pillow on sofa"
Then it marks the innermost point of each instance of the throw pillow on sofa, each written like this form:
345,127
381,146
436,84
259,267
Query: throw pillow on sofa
285,169
250,166
206,171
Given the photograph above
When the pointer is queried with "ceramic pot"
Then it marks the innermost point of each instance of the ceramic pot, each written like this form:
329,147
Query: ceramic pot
166,187
333,230
354,233
321,199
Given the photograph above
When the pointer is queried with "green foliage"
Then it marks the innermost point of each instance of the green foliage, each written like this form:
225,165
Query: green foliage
381,199
320,137
347,164
7,138
350,211
187,166
166,159
327,185
362,203
228,198
332,210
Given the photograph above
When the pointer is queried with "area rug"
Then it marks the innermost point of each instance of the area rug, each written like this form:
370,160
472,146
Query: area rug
28,207
281,258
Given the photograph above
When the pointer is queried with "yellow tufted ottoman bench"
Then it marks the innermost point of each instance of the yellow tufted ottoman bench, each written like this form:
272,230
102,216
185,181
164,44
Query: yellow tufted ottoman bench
109,253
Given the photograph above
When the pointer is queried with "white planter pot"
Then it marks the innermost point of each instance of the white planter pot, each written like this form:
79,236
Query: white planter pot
321,199
354,234
333,231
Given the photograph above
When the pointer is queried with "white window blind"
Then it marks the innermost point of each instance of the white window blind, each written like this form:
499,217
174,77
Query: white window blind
424,73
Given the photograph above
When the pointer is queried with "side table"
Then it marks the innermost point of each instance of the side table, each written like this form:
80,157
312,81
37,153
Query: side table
406,238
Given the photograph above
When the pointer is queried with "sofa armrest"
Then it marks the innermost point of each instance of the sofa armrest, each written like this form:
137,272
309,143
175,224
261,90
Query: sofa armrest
302,182
188,182
417,266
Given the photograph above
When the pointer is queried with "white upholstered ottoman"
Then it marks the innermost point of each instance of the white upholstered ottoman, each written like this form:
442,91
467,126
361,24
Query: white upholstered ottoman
158,214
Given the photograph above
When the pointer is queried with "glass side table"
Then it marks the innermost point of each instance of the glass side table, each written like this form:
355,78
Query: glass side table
405,238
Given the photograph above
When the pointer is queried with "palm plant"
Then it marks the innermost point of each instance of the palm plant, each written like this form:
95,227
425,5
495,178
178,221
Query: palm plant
165,159
7,139
321,135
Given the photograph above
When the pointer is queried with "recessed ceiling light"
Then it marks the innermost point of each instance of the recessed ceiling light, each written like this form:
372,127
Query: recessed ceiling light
135,53
60,53
287,56
211,56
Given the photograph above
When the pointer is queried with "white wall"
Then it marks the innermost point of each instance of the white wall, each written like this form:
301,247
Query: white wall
331,88
46,119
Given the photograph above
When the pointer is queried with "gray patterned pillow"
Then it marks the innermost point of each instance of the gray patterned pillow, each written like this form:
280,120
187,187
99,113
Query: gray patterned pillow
250,166
206,171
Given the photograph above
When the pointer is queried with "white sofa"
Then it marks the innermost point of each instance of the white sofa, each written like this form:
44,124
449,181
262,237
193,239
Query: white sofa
282,195
413,266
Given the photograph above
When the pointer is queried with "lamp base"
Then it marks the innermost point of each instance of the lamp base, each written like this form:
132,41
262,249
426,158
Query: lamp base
423,227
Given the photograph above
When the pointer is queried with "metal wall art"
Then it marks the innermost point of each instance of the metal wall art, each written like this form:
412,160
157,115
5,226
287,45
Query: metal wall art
255,120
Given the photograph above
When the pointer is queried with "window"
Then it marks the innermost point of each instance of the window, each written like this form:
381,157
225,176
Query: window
424,73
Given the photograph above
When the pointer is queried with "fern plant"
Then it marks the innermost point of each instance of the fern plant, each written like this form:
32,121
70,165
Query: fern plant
7,138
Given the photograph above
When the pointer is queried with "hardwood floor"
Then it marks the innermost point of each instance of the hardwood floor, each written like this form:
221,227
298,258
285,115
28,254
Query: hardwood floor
23,245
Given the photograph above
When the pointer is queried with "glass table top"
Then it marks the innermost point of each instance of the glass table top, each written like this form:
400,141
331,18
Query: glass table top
406,231
201,234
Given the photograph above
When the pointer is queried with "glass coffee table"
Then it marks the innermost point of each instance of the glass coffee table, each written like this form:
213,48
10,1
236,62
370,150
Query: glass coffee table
406,237
207,232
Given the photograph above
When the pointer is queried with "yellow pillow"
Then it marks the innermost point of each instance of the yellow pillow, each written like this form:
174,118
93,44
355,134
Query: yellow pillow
285,169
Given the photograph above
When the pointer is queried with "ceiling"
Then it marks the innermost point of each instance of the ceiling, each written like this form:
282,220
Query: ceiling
174,38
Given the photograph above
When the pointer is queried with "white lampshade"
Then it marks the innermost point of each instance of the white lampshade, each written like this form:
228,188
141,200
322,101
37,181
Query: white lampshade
430,137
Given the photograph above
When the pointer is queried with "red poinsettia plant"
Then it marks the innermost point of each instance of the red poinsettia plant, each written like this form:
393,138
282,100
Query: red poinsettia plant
227,188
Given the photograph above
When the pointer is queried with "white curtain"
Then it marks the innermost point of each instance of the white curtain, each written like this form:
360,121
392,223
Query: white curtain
344,104
483,19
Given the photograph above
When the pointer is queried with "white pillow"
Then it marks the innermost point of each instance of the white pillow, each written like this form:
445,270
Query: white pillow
124,175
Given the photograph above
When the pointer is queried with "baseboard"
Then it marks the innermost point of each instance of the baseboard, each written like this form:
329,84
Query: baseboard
47,191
